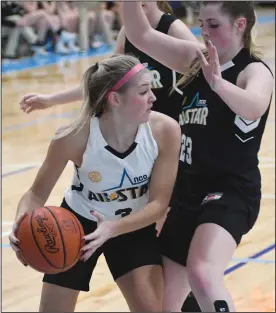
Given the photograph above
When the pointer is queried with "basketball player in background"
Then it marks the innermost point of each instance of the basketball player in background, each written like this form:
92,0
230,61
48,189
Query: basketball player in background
216,199
160,17
117,137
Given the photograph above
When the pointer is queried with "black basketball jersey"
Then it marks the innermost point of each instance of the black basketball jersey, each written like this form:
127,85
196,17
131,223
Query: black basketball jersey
217,144
163,78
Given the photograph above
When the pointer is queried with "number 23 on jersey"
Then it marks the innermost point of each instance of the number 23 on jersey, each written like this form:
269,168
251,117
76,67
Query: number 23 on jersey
186,149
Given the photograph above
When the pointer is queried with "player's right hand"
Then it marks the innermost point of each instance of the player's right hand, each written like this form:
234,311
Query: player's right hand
35,101
14,242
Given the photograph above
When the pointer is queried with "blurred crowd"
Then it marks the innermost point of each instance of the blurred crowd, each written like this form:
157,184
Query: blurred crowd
35,27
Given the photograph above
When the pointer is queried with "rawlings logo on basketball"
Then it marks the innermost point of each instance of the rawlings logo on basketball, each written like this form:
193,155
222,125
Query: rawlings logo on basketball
48,233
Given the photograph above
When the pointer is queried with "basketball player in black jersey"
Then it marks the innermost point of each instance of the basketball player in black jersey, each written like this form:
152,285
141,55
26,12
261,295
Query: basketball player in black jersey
163,79
226,100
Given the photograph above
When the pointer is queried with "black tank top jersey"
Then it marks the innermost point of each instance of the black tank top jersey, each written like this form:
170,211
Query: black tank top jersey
163,78
218,145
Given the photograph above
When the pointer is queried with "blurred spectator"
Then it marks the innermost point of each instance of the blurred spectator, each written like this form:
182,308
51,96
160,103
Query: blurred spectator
114,6
95,24
69,23
12,27
63,23
37,22
100,22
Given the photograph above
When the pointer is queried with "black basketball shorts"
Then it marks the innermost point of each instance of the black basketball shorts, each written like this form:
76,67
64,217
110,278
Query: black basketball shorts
123,254
228,210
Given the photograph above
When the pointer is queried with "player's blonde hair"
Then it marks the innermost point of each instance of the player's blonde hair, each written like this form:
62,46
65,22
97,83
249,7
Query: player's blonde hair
97,82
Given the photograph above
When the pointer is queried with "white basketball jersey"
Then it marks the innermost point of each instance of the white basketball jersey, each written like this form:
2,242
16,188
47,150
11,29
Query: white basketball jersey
112,183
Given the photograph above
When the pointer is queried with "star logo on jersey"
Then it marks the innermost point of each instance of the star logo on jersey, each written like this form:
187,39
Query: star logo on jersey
133,182
196,102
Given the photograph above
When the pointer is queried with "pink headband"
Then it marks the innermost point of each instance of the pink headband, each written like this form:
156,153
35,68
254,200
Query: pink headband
136,69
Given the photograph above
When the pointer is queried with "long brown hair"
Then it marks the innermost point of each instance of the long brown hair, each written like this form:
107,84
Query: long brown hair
234,9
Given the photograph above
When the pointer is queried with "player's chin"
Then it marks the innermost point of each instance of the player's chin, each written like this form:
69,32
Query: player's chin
143,117
146,116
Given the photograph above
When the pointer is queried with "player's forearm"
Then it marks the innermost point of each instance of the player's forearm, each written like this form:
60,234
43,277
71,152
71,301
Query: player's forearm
143,218
66,96
244,103
28,203
176,54
133,16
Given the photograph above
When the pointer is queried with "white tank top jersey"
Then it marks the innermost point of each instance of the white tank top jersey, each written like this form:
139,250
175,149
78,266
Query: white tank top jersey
112,183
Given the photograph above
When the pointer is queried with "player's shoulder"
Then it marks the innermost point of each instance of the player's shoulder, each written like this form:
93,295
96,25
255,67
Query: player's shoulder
258,68
164,128
71,142
160,119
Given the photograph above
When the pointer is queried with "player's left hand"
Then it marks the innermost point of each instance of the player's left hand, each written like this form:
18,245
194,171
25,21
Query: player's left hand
104,231
211,70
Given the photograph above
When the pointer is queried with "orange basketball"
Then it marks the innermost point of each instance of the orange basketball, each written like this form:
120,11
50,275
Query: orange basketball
50,239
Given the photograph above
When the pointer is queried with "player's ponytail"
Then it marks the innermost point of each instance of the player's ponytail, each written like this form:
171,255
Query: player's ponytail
97,81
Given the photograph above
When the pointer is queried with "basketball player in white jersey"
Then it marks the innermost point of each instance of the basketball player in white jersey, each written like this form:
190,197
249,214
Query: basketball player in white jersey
126,160
159,15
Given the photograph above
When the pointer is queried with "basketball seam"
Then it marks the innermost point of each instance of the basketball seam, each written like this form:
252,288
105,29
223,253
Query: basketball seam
80,236
57,267
41,269
61,235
